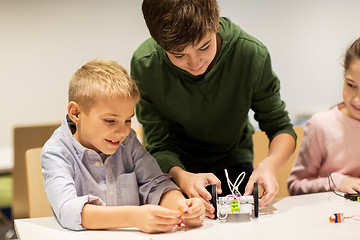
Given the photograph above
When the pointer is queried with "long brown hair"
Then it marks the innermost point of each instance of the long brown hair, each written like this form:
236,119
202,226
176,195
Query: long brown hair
352,54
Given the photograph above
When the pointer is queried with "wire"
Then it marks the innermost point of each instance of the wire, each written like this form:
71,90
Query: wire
235,186
354,217
334,218
337,189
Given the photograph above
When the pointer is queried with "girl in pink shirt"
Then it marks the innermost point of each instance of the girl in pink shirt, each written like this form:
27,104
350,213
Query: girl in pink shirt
331,142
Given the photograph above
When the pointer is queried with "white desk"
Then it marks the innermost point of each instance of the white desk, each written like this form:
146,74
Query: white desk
6,160
299,217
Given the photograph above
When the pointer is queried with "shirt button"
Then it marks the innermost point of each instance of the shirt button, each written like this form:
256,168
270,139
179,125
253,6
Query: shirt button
111,192
97,163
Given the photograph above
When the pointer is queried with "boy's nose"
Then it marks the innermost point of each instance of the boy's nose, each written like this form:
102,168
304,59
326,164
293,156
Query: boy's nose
121,130
194,62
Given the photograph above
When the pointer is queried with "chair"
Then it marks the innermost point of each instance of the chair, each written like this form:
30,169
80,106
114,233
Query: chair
39,205
26,137
261,150
5,199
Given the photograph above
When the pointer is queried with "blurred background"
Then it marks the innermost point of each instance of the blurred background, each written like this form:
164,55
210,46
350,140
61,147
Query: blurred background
43,42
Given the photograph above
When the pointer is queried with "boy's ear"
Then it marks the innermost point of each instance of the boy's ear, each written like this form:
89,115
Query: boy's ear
74,111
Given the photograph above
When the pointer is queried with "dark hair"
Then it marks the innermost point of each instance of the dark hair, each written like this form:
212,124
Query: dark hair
352,54
175,24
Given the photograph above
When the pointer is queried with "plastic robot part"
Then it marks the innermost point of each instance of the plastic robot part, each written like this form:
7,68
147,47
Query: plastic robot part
336,218
353,197
234,203
181,211
234,188
231,204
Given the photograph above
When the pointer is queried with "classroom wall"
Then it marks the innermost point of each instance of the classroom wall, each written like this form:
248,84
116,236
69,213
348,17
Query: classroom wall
43,42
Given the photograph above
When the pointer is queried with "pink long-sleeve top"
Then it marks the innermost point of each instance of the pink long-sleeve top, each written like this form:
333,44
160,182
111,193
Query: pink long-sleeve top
331,144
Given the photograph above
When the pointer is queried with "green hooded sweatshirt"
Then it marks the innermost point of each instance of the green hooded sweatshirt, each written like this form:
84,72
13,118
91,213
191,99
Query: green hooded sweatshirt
200,123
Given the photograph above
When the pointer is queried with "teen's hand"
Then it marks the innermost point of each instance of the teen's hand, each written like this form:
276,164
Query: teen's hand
350,185
193,185
264,175
194,211
154,218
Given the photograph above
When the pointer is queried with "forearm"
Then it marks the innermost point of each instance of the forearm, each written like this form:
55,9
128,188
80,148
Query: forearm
178,174
106,217
281,148
309,185
170,199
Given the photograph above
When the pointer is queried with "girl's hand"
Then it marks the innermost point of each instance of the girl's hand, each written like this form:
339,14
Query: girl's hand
350,185
154,218
194,211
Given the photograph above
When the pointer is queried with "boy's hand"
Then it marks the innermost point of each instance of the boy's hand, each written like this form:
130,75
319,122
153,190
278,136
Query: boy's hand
194,211
154,218
193,185
350,185
264,175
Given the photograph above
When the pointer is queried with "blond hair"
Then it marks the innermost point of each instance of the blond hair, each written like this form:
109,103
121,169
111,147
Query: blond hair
99,80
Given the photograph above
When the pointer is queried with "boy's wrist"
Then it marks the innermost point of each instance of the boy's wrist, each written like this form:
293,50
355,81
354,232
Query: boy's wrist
178,174
136,216
171,198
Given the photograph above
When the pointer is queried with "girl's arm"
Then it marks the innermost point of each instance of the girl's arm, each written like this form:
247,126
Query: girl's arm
304,176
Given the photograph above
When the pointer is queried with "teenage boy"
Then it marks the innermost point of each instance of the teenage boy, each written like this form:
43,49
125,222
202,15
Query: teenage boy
199,75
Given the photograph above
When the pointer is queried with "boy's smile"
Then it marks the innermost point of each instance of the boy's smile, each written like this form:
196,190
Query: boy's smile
113,142
195,59
106,125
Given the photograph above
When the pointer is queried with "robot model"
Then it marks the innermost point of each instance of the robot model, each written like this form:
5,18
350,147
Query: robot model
234,203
